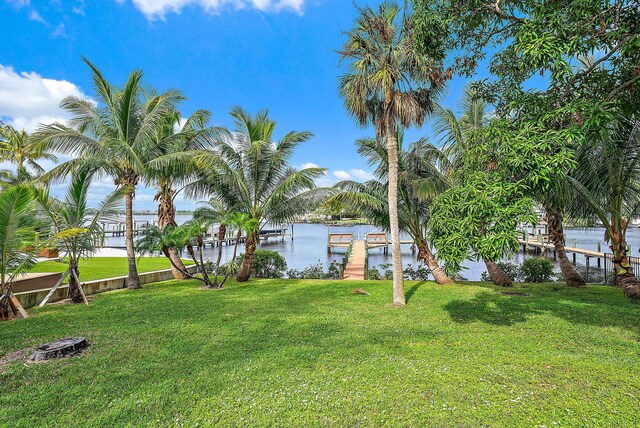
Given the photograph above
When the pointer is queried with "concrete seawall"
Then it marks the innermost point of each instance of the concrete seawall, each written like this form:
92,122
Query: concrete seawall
34,297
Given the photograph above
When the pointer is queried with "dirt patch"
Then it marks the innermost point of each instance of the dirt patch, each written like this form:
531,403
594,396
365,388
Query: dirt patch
210,288
14,357
514,293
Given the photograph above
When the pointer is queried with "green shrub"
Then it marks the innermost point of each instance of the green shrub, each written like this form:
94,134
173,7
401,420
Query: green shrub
266,264
537,269
316,271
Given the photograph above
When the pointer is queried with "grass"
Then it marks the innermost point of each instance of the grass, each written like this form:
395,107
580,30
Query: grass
106,267
310,353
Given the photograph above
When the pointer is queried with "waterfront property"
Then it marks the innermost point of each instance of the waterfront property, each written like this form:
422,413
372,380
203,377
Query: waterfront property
311,353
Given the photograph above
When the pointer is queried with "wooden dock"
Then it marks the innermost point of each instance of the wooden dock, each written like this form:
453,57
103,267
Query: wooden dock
355,269
339,240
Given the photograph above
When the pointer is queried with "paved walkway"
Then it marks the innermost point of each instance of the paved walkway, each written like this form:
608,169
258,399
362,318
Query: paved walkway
355,265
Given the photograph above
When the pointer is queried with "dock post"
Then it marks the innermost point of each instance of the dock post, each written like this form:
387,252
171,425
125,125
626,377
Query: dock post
292,231
574,258
587,274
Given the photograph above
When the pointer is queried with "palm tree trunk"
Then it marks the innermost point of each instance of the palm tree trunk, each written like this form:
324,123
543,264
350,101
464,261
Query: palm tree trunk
167,217
222,232
74,286
554,221
396,255
497,275
134,279
425,254
235,252
250,248
622,265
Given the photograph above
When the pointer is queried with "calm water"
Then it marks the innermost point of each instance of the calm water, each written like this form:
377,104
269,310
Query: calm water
309,245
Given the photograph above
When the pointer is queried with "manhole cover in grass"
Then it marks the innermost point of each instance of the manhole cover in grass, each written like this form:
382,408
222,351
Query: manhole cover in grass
514,293
59,349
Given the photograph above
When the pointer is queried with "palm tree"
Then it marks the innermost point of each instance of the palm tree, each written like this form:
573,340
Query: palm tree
116,138
17,148
174,166
389,82
419,181
458,133
557,201
189,235
241,222
71,214
16,232
215,212
607,177
251,174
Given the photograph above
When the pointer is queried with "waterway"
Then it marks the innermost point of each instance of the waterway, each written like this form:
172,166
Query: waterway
309,246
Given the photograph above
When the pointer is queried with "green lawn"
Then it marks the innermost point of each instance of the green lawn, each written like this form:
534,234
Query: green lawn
310,353
106,267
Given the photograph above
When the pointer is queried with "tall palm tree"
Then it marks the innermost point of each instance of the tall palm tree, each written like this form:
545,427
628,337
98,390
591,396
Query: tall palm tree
607,177
419,180
17,148
117,137
251,173
71,214
174,167
388,82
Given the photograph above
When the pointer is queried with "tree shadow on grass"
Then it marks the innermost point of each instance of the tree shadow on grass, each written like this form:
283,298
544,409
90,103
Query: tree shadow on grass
490,308
409,294
493,308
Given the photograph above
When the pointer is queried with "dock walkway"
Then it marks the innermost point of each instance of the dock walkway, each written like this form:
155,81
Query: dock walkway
356,264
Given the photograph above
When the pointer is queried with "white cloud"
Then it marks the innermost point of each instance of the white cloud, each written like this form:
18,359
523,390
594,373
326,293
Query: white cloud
308,165
342,175
35,16
159,8
361,174
28,100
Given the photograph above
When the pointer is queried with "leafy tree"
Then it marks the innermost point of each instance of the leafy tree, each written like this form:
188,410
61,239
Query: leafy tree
71,214
251,173
117,137
526,38
389,82
480,218
419,180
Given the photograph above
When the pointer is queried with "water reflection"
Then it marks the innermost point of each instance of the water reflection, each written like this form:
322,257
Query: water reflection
309,246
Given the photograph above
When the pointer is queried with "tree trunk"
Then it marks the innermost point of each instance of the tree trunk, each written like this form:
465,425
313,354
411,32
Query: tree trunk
621,263
250,248
554,221
396,255
74,287
134,279
167,217
235,252
222,232
497,275
429,259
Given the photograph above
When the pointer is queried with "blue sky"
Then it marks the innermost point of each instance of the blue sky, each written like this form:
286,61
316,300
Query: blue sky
275,54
